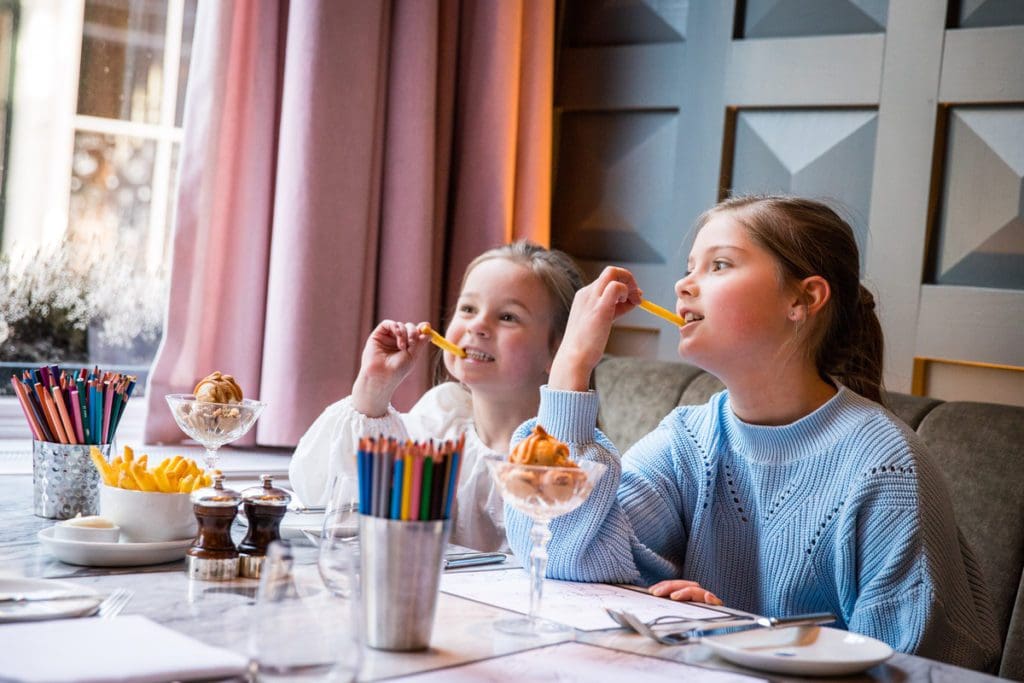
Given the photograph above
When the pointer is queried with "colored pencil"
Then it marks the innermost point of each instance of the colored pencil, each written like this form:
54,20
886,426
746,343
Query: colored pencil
396,488
428,475
406,480
37,434
40,393
51,411
65,421
76,412
108,401
417,480
37,410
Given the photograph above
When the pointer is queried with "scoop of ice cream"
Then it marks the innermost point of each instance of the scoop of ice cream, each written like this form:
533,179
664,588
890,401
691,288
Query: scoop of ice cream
218,388
540,448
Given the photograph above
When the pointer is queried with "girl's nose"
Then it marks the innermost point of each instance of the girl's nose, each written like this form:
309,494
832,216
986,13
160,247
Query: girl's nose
478,327
686,286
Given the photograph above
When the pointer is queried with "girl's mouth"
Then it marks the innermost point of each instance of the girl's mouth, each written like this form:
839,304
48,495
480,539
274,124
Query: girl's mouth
480,356
692,317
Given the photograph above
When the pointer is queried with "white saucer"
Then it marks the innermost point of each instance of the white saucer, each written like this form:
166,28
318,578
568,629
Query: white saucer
39,610
801,650
112,554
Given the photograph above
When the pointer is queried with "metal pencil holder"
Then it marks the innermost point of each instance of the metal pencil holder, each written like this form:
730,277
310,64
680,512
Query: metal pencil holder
64,480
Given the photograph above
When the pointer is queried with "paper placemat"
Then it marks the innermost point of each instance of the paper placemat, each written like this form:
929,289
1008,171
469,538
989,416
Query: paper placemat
576,604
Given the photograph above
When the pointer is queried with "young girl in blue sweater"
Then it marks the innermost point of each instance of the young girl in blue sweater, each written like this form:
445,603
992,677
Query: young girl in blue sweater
793,490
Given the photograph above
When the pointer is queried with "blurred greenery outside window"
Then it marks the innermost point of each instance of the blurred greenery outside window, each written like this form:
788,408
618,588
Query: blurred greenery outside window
92,94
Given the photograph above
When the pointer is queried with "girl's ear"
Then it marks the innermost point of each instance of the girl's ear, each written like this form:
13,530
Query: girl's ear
812,294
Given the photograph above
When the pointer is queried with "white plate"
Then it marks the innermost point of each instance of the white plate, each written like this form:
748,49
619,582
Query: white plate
801,650
112,554
39,610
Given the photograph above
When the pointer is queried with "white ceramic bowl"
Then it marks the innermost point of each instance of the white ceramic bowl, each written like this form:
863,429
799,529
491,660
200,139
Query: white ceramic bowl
148,517
90,529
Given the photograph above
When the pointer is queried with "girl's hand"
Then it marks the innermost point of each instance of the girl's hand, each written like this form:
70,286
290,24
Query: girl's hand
594,309
684,591
388,358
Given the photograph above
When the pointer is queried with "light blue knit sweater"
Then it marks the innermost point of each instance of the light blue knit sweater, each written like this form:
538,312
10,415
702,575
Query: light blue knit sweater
842,511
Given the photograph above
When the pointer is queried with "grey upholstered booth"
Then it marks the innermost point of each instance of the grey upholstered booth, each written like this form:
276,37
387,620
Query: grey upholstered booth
979,445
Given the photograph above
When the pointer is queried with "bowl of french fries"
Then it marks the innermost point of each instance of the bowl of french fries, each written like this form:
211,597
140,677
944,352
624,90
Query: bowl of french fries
150,504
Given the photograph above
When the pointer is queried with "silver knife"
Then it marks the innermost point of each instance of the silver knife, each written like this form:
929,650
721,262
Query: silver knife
815,619
454,560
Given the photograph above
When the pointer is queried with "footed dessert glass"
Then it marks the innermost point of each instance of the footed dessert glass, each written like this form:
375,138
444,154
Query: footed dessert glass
541,493
213,424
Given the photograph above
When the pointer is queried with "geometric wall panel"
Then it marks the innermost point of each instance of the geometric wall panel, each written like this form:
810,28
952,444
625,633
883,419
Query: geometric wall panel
825,154
613,186
780,18
979,13
590,23
979,239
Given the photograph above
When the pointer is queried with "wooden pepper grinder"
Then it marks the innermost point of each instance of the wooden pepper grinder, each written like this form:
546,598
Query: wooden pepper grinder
264,507
212,556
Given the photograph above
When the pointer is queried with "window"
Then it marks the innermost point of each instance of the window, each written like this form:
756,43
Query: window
91,141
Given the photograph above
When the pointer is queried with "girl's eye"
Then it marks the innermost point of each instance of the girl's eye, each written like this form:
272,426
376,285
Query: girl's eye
465,308
508,317
719,265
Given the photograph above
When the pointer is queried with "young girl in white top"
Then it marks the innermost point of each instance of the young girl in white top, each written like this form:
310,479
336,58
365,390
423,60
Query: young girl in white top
511,312
792,491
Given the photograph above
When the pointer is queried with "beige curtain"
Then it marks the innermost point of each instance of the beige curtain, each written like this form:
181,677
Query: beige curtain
342,162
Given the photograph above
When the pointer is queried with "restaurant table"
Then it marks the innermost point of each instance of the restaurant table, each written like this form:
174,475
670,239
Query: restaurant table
219,612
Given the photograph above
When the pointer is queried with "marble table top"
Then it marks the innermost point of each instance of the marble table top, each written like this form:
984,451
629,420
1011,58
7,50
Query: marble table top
220,613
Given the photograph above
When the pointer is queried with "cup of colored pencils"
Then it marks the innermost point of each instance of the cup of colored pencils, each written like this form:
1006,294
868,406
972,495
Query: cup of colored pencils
67,412
406,498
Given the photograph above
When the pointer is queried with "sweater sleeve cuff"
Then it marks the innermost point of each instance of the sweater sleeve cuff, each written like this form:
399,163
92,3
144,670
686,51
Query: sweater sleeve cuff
569,416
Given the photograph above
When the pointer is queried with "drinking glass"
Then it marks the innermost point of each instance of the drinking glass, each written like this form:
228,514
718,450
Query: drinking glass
541,493
338,549
213,424
301,630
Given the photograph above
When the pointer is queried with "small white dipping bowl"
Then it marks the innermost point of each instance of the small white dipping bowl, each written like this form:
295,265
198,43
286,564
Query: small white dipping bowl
149,517
91,529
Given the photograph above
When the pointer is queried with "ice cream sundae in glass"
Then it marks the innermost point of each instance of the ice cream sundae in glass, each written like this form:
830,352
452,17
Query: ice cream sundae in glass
214,414
541,481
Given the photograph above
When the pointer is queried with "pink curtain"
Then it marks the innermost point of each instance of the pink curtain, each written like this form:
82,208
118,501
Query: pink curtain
342,162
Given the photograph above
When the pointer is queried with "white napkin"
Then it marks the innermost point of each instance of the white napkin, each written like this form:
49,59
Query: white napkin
128,648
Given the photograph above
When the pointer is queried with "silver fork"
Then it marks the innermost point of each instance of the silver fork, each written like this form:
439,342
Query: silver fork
114,603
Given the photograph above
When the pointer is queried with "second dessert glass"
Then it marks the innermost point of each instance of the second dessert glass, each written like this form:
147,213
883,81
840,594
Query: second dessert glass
541,493
213,424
